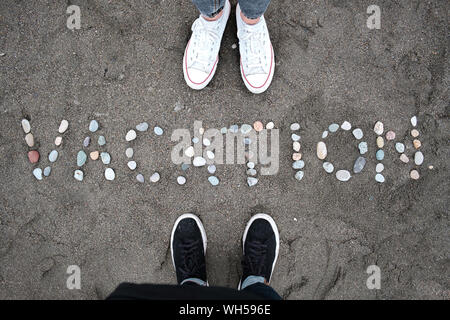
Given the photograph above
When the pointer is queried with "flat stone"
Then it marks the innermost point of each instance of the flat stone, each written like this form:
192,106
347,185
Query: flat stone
37,173
357,133
321,150
379,167
296,146
299,164
94,155
390,135
58,141
53,156
212,169
155,177
343,175
324,134
258,126
299,175
414,174
379,178
246,128
110,175
93,126
400,147
346,126
206,142
414,121
189,152
181,180
142,127
101,141
199,161
47,171
418,158
251,181
333,127
129,152
106,158
295,137
251,172
296,156
86,142
417,144
295,126
33,156
378,128
359,164
132,165
64,125
404,158
414,133
380,142
380,155
81,158
250,165
158,131
78,175
26,127
362,146
328,167
29,139
185,166
140,178
213,180
131,135
270,125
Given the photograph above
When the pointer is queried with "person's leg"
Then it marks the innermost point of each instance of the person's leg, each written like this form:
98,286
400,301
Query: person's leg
257,56
202,51
260,244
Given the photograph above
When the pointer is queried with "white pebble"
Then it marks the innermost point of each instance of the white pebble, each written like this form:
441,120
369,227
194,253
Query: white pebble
210,154
251,181
296,146
26,126
189,152
299,175
155,177
295,126
93,126
158,131
131,135
357,133
379,178
109,174
328,167
418,158
346,126
63,126
343,175
199,162
213,180
142,126
140,178
29,139
212,169
270,125
379,168
129,152
414,121
132,165
78,175
400,147
53,156
58,141
206,142
37,173
250,165
321,150
378,128
324,134
181,180
295,137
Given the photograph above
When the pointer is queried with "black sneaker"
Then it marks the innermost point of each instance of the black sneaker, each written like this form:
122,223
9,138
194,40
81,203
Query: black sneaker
188,247
260,244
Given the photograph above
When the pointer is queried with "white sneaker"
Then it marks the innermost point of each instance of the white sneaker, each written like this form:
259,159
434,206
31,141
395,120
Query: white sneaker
257,57
202,51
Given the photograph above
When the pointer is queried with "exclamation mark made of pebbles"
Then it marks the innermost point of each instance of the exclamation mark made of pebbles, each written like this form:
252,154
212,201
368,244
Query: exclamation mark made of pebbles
298,164
418,155
129,152
379,129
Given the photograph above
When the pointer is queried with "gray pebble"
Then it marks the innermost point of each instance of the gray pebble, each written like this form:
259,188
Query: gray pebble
93,126
184,166
212,169
400,147
359,164
299,175
379,167
86,142
299,164
418,158
362,146
101,141
142,127
223,130
81,158
213,180
106,158
333,127
129,152
246,128
247,141
357,133
234,128
251,172
53,156
328,167
47,171
140,178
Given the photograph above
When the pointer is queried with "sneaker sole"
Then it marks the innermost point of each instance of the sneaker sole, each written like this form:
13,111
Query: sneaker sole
277,238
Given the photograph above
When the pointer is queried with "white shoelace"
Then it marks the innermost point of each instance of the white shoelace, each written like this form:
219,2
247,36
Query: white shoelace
253,40
205,36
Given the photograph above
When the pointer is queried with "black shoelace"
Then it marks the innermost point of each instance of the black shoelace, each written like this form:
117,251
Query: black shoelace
192,263
254,259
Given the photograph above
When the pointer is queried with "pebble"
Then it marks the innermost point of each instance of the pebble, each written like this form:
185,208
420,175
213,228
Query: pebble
210,154
295,137
184,166
106,158
324,134
414,133
29,139
333,127
223,130
390,135
206,142
155,177
93,126
181,180
296,156
94,155
132,165
142,127
357,133
131,135
63,126
346,126
418,158
189,152
251,172
58,141
379,168
234,128
328,167
296,146
295,126
201,130
140,178
199,162
270,125
321,150
404,158
78,175
195,140
417,144
129,152
343,175
299,175
379,178
378,128
47,171
414,174
37,173
53,156
359,164
247,141
380,142
26,126
109,174
101,141
212,169
258,126
81,158
246,128
400,147
250,165
33,156
380,155
234,46
414,121
213,180
298,164
86,142
362,146
251,181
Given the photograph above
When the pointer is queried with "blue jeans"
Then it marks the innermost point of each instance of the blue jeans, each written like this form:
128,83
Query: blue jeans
252,9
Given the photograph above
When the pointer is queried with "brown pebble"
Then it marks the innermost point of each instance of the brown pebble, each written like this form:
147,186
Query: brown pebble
296,156
404,158
58,141
94,155
417,144
414,133
414,174
29,139
258,126
33,156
